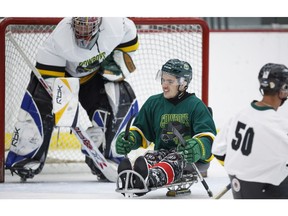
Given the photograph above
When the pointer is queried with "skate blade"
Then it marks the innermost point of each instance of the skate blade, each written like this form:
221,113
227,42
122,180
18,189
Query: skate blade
175,193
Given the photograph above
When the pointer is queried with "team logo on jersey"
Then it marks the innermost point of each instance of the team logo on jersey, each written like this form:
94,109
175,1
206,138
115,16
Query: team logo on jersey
90,68
167,134
182,118
91,65
236,185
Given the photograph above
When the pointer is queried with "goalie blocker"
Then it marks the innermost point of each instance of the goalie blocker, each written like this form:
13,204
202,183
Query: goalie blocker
65,102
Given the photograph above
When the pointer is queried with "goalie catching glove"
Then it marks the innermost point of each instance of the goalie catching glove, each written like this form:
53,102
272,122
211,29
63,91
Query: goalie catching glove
117,66
125,145
192,151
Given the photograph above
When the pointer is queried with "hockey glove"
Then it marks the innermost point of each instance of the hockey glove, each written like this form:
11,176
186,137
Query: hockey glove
192,151
124,146
117,66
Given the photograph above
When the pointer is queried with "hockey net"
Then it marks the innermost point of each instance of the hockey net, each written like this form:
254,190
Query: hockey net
160,40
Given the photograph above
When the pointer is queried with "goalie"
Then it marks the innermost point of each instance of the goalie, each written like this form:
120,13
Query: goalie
156,122
98,52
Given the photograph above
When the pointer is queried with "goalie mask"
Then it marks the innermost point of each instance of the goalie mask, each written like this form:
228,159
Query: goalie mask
180,69
86,30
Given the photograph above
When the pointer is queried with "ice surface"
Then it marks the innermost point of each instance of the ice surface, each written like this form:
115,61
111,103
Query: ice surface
80,194
84,185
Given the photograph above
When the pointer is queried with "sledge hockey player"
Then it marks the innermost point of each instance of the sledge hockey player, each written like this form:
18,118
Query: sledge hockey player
253,146
157,120
98,51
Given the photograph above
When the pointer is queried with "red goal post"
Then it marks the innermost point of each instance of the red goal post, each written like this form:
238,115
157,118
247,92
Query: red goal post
160,39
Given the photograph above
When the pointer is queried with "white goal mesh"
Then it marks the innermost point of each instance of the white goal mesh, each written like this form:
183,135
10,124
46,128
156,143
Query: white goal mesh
160,40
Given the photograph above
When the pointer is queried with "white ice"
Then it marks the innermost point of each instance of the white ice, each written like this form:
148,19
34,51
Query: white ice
81,194
73,185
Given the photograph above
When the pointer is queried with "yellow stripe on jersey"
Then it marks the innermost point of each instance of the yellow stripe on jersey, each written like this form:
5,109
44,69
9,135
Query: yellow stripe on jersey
210,158
130,48
87,78
221,162
202,147
51,73
205,134
204,151
144,143
208,135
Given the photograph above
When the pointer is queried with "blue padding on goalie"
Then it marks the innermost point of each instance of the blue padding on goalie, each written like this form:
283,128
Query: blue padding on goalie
98,119
133,110
13,158
10,159
30,107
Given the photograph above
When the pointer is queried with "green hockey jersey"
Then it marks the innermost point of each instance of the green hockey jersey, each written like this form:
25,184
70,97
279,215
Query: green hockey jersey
189,116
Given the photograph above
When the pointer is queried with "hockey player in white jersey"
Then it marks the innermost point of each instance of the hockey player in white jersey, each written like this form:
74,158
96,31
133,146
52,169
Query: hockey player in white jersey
253,146
98,51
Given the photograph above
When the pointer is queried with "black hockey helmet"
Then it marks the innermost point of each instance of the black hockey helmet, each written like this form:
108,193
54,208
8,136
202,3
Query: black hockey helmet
179,69
273,77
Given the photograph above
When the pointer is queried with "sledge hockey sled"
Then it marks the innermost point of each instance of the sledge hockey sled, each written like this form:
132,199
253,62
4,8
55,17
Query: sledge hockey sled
180,187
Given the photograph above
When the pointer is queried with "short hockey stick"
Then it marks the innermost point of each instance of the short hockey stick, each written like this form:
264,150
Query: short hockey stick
181,139
128,126
109,171
224,191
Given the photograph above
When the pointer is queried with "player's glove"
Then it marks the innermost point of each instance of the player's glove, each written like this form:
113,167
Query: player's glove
124,146
192,151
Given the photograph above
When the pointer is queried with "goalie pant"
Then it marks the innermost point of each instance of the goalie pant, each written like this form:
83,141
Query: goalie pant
34,127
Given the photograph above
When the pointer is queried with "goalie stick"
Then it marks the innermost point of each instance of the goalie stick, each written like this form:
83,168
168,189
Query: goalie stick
218,196
109,171
128,126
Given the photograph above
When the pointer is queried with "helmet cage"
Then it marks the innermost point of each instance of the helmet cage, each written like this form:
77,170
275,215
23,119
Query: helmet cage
85,30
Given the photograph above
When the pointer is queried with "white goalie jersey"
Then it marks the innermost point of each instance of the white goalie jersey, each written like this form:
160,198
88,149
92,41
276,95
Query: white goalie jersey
60,49
255,143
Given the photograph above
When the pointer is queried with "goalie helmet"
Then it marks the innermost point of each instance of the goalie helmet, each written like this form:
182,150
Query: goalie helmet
86,30
273,77
180,69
